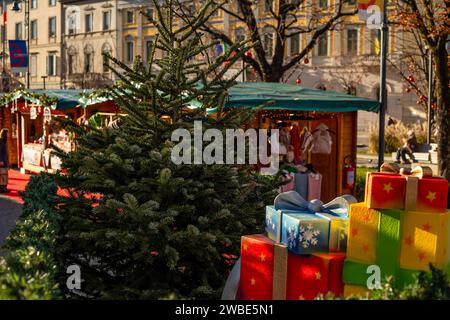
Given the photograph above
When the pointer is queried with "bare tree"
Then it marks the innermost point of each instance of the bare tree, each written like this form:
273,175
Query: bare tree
431,19
285,19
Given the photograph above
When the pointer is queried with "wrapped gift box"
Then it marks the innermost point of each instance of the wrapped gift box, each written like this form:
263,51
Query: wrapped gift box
305,233
338,232
269,271
395,191
425,240
362,233
357,274
274,222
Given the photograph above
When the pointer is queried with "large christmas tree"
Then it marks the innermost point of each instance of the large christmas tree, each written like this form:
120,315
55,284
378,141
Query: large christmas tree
156,229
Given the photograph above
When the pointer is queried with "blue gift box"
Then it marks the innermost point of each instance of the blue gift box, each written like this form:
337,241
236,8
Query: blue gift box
274,221
305,233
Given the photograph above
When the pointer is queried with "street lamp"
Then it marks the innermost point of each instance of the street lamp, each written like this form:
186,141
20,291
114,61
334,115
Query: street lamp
16,8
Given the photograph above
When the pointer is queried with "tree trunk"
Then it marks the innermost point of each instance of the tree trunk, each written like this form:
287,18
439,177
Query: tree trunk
443,108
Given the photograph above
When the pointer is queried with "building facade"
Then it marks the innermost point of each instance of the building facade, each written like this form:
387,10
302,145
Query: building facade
44,30
68,39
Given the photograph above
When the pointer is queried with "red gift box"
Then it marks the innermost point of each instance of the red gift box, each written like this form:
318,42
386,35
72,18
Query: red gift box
268,271
406,192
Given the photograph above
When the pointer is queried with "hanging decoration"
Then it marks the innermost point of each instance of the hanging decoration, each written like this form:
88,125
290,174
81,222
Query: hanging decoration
47,114
33,112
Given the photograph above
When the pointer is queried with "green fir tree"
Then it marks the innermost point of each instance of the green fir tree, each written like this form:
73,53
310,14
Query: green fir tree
138,225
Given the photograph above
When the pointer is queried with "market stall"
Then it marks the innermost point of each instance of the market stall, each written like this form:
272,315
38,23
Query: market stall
27,114
317,129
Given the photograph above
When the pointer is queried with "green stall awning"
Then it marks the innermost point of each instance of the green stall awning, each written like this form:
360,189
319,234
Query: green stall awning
296,98
64,99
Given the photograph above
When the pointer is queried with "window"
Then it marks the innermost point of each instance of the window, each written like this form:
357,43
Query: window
150,14
51,64
88,22
106,20
239,35
268,5
51,3
148,49
295,44
33,65
18,30
52,27
106,51
375,42
352,41
34,4
268,44
351,2
70,64
130,16
88,62
322,3
88,59
33,30
129,54
71,24
322,46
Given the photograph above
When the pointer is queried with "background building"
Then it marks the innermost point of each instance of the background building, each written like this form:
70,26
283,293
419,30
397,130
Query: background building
44,41
67,39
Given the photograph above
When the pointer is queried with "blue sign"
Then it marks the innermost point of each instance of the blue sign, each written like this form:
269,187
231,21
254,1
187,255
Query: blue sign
18,55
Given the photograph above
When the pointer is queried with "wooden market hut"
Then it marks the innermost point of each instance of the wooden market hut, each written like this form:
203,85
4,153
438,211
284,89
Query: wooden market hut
309,107
26,113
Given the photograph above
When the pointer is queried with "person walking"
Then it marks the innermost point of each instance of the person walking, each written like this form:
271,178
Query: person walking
3,160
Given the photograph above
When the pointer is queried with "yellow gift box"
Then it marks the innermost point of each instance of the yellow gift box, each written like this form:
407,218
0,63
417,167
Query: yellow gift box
363,233
356,291
425,239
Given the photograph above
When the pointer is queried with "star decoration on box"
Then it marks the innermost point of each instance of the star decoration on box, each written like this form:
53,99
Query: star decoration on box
365,248
245,246
318,276
262,257
431,196
387,187
421,256
366,218
426,227
354,232
409,241
301,297
252,281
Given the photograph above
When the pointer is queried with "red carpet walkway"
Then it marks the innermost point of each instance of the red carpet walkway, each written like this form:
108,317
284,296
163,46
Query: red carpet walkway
17,182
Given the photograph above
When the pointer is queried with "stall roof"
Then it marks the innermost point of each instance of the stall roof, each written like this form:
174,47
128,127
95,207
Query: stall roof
66,99
292,97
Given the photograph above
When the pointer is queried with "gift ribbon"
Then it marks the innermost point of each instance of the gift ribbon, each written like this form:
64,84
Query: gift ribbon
418,171
292,200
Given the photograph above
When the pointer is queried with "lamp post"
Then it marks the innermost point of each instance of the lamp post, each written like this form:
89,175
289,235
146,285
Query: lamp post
16,8
430,94
383,92
43,79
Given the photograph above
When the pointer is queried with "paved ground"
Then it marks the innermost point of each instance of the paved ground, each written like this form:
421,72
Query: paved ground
10,211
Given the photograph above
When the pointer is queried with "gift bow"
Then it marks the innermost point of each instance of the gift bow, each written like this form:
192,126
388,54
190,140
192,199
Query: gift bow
292,200
419,171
